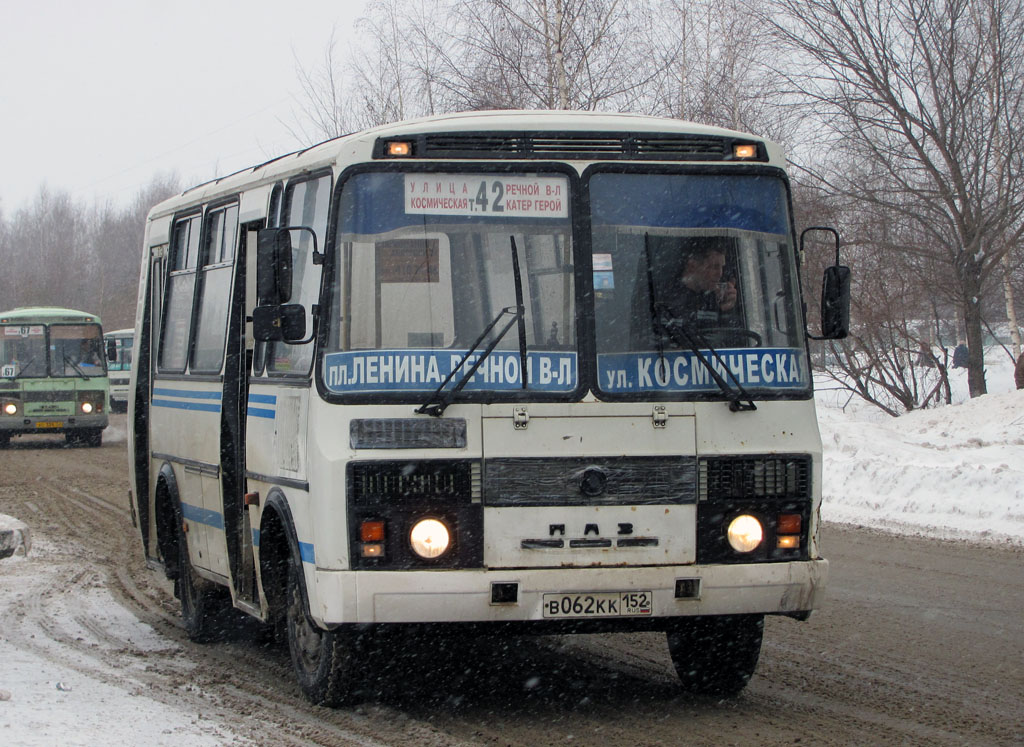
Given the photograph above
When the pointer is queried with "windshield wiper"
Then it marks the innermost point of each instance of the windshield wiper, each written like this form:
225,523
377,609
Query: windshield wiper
687,337
440,399
74,365
23,369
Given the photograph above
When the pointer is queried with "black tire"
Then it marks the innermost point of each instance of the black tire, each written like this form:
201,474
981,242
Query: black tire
5,439
204,606
715,655
93,437
325,661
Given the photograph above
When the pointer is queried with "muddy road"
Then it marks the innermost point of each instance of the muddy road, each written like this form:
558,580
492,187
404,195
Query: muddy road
920,642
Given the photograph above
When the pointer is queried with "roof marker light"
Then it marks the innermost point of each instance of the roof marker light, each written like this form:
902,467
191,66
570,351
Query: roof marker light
399,148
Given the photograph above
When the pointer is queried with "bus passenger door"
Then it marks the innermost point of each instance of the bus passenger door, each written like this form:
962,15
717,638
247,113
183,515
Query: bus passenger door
237,521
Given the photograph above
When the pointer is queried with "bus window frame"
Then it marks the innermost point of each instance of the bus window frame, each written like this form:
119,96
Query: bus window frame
746,169
202,268
576,226
196,211
266,371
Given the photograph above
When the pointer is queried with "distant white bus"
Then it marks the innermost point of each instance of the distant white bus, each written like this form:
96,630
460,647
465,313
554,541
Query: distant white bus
119,346
436,372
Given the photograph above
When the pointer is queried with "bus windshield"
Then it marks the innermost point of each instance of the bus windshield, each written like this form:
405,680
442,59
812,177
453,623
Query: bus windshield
686,264
74,350
23,351
425,262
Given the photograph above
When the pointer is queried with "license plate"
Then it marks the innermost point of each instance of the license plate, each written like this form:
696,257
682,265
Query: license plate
598,604
49,424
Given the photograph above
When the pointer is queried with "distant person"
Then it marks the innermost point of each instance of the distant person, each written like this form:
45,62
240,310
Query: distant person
1018,372
960,356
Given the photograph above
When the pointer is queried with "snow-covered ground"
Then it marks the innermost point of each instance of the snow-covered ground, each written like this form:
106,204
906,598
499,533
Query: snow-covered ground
951,472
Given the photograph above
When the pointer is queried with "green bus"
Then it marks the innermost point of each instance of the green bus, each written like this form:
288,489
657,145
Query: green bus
53,375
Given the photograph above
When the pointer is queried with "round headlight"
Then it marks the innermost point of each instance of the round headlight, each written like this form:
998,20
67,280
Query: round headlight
87,407
429,538
745,533
10,409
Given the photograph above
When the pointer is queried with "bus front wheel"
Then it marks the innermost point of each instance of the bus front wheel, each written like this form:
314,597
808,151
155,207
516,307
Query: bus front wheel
324,660
202,608
715,655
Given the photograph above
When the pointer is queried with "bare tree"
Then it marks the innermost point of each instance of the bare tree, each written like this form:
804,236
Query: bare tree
552,54
324,105
930,92
717,68
61,253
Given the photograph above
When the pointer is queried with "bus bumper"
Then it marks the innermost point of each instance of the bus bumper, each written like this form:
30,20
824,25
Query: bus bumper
52,424
792,588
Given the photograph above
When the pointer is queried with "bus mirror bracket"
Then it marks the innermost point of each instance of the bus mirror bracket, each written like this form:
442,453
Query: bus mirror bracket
280,323
835,293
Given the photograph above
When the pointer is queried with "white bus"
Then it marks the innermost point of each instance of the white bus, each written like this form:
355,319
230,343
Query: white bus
119,345
435,372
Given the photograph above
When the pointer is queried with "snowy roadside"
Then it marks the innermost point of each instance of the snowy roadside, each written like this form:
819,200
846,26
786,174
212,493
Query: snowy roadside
952,472
53,694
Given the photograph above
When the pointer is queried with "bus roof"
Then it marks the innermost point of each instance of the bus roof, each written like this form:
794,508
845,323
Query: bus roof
47,315
130,331
359,146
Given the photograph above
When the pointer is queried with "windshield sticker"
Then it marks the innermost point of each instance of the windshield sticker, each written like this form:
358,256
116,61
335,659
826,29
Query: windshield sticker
424,370
23,331
494,195
680,371
604,279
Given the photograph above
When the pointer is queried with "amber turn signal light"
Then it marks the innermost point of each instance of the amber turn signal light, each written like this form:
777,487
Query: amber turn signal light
371,531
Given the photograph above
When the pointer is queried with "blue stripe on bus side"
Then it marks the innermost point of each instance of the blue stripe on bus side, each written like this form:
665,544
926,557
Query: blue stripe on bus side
188,393
185,405
202,516
186,399
262,399
306,551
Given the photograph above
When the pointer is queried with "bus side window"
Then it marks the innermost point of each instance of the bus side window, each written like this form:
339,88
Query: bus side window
306,203
177,311
214,283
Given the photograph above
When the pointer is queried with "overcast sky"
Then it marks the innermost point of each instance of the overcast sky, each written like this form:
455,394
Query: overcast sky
97,97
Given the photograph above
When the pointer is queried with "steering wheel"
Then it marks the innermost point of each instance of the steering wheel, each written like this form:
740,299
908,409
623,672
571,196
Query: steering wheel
722,335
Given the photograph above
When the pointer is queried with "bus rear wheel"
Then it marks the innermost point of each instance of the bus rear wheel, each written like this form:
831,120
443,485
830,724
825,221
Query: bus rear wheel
715,655
324,660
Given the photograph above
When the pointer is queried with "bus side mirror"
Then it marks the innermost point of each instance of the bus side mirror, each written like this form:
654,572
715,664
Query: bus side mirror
835,303
279,323
274,266
111,351
835,292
